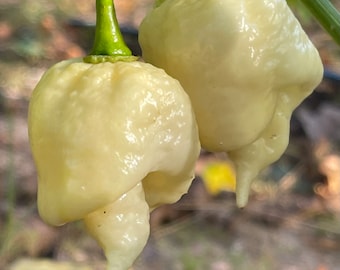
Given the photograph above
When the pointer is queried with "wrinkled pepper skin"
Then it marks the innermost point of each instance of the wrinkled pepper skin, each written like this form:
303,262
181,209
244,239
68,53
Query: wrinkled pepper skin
246,66
97,130
111,141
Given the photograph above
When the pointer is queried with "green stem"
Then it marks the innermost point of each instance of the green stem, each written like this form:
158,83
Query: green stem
109,45
327,15
158,3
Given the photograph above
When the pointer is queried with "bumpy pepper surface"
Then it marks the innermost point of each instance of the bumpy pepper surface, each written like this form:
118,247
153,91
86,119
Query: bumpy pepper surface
110,142
245,64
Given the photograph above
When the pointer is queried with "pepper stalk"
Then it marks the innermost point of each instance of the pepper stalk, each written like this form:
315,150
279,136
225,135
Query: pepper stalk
327,15
109,44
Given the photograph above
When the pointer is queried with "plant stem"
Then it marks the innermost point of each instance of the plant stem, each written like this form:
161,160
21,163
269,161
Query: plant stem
109,45
158,3
327,15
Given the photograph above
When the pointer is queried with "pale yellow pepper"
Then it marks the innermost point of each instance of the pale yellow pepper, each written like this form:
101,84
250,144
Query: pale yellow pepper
112,138
111,141
245,64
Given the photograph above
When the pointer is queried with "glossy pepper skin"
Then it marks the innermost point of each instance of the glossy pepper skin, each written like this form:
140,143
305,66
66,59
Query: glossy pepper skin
111,141
245,64
112,138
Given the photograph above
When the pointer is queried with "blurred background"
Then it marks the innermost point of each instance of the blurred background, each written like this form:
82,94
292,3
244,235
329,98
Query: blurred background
292,221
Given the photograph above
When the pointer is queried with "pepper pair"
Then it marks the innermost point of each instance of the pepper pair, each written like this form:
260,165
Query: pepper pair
113,138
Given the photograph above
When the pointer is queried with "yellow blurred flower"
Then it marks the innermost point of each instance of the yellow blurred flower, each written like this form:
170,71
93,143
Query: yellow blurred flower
219,176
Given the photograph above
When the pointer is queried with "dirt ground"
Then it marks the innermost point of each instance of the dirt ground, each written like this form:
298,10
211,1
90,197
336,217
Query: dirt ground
291,223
